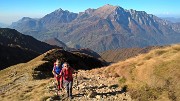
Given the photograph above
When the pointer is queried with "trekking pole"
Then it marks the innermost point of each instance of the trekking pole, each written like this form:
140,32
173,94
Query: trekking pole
77,81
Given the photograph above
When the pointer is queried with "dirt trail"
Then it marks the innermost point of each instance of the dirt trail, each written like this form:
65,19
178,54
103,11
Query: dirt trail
92,87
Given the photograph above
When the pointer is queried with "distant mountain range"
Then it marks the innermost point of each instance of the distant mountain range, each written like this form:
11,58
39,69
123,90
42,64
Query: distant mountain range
105,28
2,25
172,19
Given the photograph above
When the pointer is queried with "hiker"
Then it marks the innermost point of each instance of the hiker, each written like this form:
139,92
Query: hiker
57,74
67,72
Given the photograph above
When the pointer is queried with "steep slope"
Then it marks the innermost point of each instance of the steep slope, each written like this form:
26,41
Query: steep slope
125,53
151,76
57,17
11,37
88,52
105,28
25,24
56,42
17,48
176,27
14,55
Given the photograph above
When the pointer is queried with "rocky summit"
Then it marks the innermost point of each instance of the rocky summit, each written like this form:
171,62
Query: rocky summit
105,28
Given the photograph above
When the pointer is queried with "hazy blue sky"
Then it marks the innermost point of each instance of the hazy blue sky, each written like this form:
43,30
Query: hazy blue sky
13,10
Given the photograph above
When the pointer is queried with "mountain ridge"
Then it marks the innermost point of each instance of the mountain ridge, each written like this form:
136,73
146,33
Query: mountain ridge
151,76
18,48
56,42
11,37
113,56
107,27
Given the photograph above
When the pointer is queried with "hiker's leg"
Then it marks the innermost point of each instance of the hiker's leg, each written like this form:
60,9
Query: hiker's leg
58,80
67,87
70,88
57,83
61,82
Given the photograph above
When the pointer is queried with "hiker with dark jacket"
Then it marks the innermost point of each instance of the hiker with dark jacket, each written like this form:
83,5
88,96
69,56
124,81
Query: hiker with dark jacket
57,74
67,73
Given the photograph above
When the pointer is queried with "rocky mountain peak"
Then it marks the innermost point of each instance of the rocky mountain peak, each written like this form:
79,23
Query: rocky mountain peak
58,16
105,10
26,18
59,10
110,26
108,6
89,10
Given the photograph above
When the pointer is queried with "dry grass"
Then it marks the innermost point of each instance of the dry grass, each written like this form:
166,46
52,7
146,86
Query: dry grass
18,84
152,76
29,81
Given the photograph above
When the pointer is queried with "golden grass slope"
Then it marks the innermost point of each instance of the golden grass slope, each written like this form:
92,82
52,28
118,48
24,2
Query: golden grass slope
17,83
151,76
33,81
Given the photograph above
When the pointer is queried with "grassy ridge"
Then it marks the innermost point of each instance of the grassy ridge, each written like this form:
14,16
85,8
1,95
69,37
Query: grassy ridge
152,76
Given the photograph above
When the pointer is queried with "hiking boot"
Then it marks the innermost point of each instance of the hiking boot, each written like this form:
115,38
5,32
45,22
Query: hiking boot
66,96
59,92
70,97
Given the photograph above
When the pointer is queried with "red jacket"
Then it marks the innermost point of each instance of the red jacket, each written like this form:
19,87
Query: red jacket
67,73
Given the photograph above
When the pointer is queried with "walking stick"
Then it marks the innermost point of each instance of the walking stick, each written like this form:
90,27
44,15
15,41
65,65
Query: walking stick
77,81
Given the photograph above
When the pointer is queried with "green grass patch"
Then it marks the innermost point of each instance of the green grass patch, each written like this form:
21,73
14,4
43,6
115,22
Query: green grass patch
122,80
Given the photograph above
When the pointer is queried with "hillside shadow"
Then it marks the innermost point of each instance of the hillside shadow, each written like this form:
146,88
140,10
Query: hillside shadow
78,95
123,90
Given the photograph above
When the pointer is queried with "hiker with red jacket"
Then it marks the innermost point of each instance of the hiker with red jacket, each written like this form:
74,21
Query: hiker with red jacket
57,74
67,73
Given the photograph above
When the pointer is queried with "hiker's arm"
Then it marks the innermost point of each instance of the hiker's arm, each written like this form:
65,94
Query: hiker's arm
54,73
61,73
75,73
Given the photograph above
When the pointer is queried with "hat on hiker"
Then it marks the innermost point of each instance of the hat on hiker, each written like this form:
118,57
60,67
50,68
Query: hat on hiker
65,64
